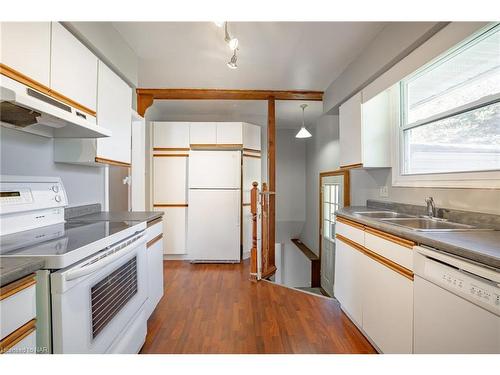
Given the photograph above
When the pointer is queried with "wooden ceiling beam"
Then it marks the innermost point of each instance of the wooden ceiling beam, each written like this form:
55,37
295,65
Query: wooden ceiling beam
145,97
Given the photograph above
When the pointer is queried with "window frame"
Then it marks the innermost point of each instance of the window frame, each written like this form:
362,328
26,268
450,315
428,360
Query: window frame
468,179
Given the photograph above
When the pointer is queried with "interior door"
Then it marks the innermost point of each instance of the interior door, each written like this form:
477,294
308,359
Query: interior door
331,200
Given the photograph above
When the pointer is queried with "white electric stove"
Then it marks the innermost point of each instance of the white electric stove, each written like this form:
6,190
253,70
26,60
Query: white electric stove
94,274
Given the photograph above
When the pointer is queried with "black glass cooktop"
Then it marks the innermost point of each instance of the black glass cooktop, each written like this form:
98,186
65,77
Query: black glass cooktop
59,239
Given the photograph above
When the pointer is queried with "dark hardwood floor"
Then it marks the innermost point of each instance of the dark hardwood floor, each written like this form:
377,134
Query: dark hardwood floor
214,308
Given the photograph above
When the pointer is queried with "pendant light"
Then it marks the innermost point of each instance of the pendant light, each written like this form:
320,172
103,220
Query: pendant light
303,132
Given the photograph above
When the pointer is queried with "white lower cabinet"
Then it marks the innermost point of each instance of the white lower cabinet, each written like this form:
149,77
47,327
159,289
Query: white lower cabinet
376,294
387,308
174,229
348,286
155,267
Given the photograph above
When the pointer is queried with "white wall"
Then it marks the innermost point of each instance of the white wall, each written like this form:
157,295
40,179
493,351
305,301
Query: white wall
322,154
365,184
31,155
290,176
395,41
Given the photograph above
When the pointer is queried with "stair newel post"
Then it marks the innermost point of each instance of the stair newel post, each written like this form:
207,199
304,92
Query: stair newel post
254,197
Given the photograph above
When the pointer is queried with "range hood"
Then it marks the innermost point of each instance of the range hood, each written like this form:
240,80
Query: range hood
26,109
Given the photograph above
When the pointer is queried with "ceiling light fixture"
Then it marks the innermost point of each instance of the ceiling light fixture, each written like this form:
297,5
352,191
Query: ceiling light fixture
303,132
232,63
231,42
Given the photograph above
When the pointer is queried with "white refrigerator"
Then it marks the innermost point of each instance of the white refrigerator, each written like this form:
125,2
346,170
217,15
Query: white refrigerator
214,206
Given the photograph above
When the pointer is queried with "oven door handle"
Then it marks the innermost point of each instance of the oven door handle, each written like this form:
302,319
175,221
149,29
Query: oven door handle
87,270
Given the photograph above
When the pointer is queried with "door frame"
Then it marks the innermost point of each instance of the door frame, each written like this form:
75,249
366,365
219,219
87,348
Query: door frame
347,202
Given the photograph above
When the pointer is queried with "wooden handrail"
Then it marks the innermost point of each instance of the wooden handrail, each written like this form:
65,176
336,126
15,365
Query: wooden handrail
315,262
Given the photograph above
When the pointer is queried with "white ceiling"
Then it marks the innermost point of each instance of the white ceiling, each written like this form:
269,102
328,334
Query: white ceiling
288,113
272,55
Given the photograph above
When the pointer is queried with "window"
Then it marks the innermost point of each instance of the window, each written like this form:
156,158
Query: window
330,206
450,111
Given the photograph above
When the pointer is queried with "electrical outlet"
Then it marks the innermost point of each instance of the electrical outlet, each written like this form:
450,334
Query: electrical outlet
384,192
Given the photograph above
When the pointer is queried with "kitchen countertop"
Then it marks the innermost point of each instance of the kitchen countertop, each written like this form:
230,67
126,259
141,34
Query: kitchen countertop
121,216
479,246
12,269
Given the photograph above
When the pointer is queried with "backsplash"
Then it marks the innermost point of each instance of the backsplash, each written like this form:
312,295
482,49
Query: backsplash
465,217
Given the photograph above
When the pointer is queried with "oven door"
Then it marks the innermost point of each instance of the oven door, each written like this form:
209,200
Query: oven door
94,301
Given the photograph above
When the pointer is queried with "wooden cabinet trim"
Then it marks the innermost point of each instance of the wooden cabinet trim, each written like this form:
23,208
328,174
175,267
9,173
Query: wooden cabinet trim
16,286
154,240
18,335
112,162
351,166
252,156
212,146
154,222
170,148
170,205
170,155
251,150
390,237
350,222
379,258
25,80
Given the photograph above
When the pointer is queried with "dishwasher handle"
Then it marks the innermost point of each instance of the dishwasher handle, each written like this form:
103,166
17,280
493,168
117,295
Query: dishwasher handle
91,268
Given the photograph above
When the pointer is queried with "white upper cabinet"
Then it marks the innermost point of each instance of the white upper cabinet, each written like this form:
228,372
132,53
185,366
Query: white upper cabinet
230,133
203,133
73,70
26,49
170,135
350,132
364,132
251,137
113,113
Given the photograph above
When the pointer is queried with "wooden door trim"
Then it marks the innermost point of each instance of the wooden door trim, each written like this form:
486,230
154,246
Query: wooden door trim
351,166
35,85
347,200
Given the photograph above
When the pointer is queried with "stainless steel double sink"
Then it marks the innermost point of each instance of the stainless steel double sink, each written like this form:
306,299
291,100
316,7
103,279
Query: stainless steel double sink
422,224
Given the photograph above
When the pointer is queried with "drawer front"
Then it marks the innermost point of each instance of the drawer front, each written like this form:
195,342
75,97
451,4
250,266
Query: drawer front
398,253
354,234
26,345
16,310
154,230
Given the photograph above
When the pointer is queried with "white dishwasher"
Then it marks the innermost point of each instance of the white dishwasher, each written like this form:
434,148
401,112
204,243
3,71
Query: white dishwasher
456,304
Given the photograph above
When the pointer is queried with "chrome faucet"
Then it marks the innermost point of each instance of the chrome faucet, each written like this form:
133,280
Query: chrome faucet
431,207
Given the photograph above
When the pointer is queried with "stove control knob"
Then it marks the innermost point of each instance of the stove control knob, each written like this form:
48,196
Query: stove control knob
55,189
57,198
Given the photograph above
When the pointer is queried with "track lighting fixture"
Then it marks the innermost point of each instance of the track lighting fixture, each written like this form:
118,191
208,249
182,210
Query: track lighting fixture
303,132
232,63
231,42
